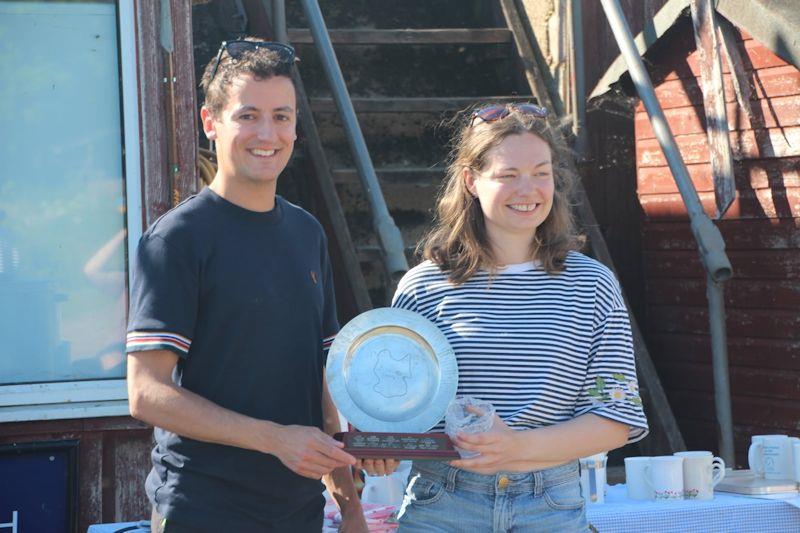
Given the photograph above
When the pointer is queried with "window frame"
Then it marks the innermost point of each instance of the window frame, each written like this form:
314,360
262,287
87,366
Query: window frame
102,397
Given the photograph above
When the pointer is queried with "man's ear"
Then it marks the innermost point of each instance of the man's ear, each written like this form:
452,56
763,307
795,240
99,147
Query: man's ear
469,181
208,123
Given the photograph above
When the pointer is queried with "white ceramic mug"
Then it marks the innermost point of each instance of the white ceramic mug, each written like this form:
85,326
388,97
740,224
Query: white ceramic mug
770,456
637,487
593,478
664,475
701,473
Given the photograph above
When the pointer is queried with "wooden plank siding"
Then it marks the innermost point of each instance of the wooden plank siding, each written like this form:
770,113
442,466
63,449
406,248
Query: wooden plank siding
777,112
760,264
768,354
777,234
762,236
600,46
766,83
755,55
766,143
113,462
739,293
754,174
406,36
765,203
114,453
685,63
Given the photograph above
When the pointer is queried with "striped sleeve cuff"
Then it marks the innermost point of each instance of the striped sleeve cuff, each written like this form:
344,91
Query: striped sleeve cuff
140,341
326,343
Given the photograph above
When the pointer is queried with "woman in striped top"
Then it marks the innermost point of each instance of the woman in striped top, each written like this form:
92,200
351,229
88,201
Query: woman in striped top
539,330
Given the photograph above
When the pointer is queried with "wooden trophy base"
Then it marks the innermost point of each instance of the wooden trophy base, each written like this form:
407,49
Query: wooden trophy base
400,446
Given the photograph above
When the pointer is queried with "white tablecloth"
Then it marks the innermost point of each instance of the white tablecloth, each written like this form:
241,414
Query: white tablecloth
726,513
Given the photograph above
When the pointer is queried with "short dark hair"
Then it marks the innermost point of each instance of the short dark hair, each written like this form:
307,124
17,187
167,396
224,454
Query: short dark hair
262,63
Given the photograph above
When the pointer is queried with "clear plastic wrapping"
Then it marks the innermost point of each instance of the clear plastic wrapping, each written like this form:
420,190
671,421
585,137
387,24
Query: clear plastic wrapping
468,415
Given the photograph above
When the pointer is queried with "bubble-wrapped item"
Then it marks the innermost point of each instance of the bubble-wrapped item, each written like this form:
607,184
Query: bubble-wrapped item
468,415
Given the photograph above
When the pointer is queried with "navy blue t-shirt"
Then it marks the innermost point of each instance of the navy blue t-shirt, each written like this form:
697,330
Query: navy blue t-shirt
246,300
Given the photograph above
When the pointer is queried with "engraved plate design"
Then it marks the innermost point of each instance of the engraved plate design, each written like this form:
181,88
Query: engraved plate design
391,370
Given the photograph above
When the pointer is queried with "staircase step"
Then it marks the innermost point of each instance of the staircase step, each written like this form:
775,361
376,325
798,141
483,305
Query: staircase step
417,199
399,14
369,253
425,104
417,175
407,36
394,140
444,70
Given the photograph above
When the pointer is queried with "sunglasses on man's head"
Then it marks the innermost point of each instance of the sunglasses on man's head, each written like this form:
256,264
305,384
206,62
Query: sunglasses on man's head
495,112
237,49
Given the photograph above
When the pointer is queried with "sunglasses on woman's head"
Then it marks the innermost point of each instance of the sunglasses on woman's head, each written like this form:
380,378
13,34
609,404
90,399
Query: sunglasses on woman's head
236,49
495,112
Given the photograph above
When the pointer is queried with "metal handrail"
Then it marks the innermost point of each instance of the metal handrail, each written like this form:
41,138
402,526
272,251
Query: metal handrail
279,21
340,234
579,79
708,237
389,237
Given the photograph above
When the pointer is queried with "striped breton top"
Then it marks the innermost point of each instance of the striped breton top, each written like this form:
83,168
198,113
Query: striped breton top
542,349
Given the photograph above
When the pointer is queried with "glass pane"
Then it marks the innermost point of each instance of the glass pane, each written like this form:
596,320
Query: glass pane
62,225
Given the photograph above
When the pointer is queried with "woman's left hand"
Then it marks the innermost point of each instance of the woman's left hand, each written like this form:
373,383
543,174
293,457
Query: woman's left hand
499,449
377,467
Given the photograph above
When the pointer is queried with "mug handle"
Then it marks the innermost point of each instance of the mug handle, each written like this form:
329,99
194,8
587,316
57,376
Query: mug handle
718,465
754,458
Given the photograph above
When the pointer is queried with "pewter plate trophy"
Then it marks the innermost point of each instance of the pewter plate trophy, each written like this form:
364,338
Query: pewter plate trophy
392,374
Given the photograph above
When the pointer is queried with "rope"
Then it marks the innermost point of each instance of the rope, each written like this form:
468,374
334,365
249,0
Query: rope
206,165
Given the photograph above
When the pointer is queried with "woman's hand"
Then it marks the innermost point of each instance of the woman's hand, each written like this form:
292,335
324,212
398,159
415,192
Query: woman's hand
500,449
378,467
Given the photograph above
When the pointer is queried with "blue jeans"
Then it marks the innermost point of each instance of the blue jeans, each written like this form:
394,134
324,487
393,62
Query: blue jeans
441,498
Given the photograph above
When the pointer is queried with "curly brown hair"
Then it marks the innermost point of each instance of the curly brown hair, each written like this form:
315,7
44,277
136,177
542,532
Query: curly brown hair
458,242
261,63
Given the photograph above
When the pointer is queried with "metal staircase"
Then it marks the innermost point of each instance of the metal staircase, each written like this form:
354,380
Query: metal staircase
408,67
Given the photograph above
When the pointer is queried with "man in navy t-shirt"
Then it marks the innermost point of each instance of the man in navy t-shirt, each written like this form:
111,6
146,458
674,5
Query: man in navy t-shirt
232,310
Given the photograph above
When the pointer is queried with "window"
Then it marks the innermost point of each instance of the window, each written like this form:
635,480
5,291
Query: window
67,211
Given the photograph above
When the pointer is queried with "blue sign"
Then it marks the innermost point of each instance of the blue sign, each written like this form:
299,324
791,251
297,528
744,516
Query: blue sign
38,484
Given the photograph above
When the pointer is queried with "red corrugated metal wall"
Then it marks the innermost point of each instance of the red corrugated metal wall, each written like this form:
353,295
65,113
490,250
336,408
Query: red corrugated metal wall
762,234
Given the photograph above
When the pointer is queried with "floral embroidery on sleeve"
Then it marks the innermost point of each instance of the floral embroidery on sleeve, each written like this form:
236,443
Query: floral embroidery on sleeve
616,388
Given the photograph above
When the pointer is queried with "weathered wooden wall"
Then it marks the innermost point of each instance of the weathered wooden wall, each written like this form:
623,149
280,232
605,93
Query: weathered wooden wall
762,237
114,453
167,106
609,168
600,46
113,462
